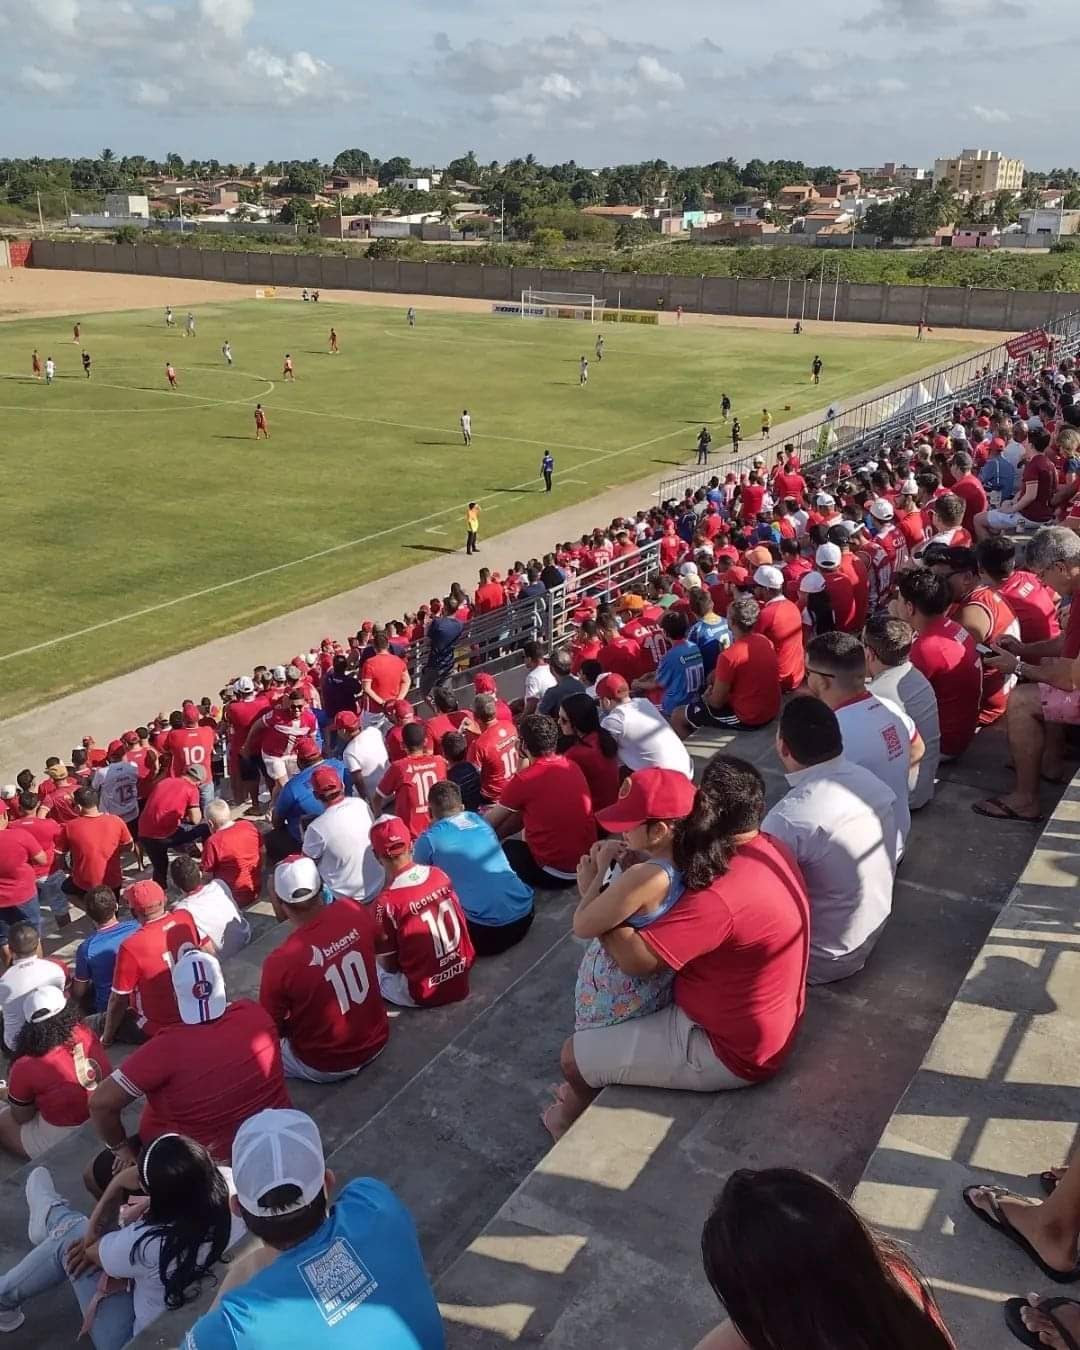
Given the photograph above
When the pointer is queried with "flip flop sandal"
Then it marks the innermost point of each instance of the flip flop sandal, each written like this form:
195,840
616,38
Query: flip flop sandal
997,1220
1013,1321
1003,812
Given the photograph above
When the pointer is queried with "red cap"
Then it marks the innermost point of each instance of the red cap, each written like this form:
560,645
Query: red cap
115,748
346,721
983,421
327,642
325,783
484,683
307,748
130,738
192,713
997,443
649,794
398,709
611,686
941,442
390,837
144,895
367,626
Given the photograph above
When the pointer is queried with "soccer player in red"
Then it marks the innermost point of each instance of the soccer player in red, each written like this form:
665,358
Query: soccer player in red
170,375
35,364
407,781
495,750
424,947
333,341
262,430
287,372
321,985
141,976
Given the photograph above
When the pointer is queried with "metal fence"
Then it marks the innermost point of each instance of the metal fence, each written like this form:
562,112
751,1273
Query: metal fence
495,639
859,432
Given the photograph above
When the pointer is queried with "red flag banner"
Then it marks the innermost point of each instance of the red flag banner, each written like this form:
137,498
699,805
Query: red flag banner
1034,341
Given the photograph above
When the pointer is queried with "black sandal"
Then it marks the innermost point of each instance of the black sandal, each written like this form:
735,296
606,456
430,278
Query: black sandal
1014,1322
997,1220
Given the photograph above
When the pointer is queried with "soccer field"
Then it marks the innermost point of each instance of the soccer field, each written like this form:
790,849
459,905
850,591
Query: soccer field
140,520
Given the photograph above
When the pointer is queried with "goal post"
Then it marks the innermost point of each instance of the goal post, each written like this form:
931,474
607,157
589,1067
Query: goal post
580,305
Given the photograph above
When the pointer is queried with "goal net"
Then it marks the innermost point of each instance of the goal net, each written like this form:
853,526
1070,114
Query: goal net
561,305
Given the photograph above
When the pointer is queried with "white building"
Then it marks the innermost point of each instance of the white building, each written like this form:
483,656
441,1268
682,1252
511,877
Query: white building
412,184
1050,222
127,204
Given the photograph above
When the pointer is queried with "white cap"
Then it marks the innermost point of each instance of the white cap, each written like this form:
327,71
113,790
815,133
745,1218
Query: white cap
870,465
770,578
278,672
759,459
277,1148
812,583
311,658
958,432
199,986
297,881
909,487
828,555
849,527
688,569
823,499
245,685
881,509
8,791
40,1004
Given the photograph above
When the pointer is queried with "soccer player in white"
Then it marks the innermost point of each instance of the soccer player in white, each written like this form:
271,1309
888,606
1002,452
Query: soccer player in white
583,371
50,370
410,314
466,426
168,316
599,346
189,326
226,351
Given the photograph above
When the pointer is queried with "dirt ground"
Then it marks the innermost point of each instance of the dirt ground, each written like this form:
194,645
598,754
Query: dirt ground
26,293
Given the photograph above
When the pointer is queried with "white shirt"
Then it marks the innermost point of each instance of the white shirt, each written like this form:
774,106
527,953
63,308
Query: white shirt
339,841
366,754
838,819
538,682
50,366
217,917
118,785
645,738
878,735
466,422
21,978
909,689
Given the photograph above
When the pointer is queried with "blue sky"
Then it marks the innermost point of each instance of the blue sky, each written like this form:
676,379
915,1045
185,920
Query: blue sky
847,82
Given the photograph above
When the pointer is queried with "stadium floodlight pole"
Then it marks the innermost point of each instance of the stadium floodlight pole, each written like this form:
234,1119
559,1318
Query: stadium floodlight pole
502,218
180,200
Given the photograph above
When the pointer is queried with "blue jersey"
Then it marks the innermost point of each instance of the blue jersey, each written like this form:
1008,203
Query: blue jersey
358,1281
681,674
467,849
999,475
296,799
710,637
96,957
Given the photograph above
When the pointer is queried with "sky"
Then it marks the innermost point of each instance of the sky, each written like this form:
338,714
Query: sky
844,82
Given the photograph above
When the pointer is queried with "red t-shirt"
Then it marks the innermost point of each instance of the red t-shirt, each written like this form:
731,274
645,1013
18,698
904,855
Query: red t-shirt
321,988
1000,618
912,527
44,833
855,568
234,855
781,622
395,743
441,723
205,1081
740,950
581,651
421,921
188,746
723,590
490,596
168,803
384,670
239,716
1041,471
52,1083
145,759
496,754
972,493
601,772
945,653
753,494
1034,606
794,572
18,882
750,669
409,781
94,843
61,801
283,727
143,968
789,485
621,656
556,809
841,595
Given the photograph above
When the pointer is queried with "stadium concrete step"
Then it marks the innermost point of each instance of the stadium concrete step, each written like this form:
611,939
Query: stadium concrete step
995,1098
600,1243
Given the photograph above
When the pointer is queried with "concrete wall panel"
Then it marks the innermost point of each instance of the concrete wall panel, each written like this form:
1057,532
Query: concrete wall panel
384,274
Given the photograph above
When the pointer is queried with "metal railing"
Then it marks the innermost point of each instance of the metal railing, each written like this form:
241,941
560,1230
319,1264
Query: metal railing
857,433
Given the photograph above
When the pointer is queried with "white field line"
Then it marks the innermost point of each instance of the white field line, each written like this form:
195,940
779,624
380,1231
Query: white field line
173,395
321,553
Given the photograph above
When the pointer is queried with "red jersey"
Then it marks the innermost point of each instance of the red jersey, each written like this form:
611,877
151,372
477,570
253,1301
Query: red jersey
945,653
385,671
750,503
790,485
495,753
655,645
321,988
233,854
489,597
672,548
143,969
395,745
622,656
972,493
45,834
602,553
409,781
781,622
842,598
205,1081
421,922
59,1083
913,527
794,572
1034,606
582,651
145,759
723,590
995,683
886,553
169,802
94,843
283,728
188,746
239,717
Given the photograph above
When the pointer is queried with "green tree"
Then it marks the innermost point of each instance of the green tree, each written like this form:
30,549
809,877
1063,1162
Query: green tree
302,178
297,211
398,167
383,248
694,200
633,233
127,234
107,156
354,162
465,167
547,240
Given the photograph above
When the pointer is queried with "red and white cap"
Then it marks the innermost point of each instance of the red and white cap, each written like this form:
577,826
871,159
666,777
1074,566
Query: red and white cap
199,986
275,1148
612,686
390,837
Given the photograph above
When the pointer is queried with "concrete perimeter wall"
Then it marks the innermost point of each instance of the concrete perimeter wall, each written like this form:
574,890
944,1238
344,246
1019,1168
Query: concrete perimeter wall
939,306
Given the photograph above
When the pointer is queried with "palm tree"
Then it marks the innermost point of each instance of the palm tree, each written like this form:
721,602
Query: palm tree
107,156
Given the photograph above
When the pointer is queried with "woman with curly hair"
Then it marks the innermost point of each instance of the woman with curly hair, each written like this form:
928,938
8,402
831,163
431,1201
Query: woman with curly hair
58,1064
175,1228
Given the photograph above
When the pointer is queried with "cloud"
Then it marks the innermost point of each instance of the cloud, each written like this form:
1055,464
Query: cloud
890,85
931,13
708,45
657,75
441,42
991,116
37,81
230,16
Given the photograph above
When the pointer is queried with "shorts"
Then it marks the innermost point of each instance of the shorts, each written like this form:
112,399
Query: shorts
295,1067
699,714
279,766
1012,520
37,1136
394,988
664,1050
1060,705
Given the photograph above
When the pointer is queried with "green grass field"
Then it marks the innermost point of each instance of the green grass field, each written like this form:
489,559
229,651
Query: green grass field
146,516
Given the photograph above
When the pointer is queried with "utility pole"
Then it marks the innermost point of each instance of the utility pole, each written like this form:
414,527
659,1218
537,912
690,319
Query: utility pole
340,219
502,219
41,218
820,285
180,200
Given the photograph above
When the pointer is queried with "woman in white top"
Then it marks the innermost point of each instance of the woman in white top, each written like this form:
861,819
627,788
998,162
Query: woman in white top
176,1227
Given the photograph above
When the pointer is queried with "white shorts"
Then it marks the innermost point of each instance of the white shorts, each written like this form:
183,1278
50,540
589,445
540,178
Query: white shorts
295,1067
37,1136
394,988
1012,520
664,1050
279,766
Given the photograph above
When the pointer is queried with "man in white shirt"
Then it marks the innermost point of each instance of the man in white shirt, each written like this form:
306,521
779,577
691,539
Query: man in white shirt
839,821
364,754
1017,448
211,905
117,783
340,840
29,970
876,734
539,677
895,680
644,735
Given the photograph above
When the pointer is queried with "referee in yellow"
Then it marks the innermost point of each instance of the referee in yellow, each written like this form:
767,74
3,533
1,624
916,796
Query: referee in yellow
472,527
